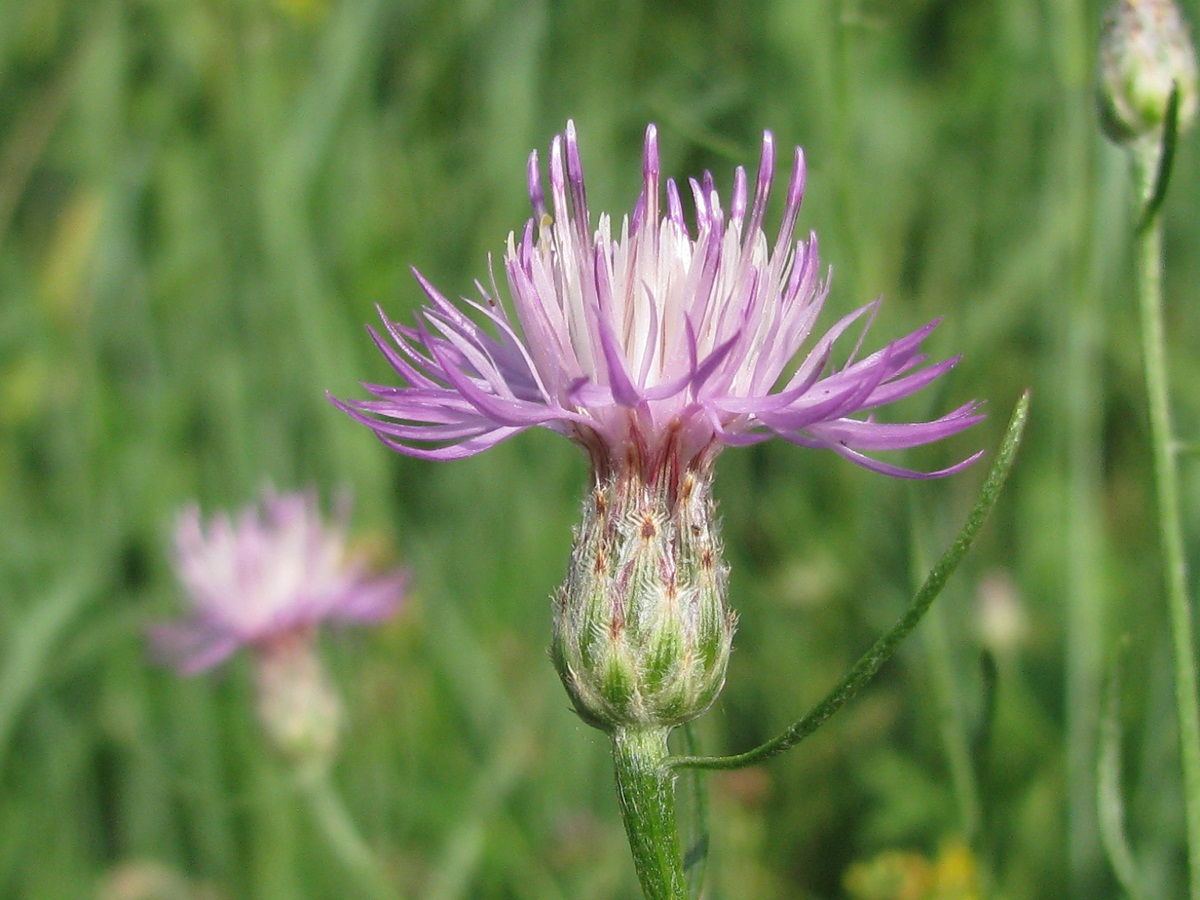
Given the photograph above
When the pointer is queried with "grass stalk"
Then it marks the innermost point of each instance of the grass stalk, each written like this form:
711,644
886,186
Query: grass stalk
342,835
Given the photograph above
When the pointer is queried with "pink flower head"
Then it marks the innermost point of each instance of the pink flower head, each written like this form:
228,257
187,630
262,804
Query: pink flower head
277,571
649,343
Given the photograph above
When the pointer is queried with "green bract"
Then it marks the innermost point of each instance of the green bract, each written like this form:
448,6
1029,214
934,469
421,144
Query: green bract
642,631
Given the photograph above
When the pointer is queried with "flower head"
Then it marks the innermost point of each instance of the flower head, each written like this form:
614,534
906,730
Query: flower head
648,342
653,345
1146,53
272,575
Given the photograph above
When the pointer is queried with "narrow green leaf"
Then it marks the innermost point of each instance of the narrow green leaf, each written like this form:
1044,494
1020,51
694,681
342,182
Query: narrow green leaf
1166,159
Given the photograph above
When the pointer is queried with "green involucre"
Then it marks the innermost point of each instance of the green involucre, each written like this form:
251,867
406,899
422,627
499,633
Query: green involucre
642,631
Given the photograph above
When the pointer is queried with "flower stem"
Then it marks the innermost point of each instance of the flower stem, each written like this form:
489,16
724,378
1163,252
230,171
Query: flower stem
695,859
646,792
1148,249
343,836
1110,804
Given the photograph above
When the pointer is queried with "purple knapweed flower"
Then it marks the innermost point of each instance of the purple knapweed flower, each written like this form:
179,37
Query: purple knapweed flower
653,347
267,579
652,344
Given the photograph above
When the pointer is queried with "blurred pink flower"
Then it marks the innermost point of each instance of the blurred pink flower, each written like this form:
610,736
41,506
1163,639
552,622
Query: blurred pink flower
278,571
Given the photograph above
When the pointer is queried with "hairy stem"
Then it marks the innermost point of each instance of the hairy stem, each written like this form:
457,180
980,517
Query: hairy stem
646,792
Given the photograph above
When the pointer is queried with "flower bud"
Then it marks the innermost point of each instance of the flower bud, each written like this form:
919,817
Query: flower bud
297,705
1145,52
642,632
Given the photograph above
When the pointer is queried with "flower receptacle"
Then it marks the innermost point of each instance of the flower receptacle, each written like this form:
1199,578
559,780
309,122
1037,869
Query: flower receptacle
298,707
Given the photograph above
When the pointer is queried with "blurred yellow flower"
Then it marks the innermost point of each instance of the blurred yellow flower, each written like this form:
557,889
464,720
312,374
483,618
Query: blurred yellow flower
907,875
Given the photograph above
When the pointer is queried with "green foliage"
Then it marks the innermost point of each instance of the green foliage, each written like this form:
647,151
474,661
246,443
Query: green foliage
202,200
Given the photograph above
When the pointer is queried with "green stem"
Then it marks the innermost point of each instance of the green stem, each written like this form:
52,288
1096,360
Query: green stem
1148,248
695,860
646,792
343,837
1110,803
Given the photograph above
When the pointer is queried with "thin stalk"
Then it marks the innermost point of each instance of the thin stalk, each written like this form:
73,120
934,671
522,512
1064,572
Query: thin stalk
646,792
951,725
343,838
695,861
1110,804
1078,331
1148,252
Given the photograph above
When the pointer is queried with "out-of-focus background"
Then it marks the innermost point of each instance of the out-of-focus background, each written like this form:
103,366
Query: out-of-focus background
201,202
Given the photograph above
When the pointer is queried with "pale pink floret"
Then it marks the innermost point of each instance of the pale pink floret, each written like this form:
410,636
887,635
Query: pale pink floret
649,340
278,569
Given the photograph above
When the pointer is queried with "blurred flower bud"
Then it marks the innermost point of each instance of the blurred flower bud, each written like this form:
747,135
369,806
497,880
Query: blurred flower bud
641,629
1002,623
144,879
1145,51
297,705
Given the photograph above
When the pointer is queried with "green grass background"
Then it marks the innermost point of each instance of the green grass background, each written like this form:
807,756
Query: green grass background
202,200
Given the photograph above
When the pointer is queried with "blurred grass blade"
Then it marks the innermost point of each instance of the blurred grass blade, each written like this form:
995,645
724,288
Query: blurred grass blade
945,682
1111,803
343,836
464,849
344,57
981,743
30,648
